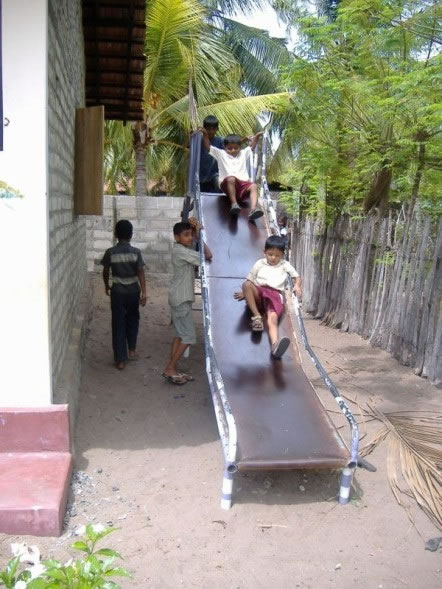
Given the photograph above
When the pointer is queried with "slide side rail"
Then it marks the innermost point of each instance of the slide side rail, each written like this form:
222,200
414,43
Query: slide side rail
223,411
270,210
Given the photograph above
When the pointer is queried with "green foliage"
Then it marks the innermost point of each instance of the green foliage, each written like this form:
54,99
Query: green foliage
233,72
95,569
119,161
366,125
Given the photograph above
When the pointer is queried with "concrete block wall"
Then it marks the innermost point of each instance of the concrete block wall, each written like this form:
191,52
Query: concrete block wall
153,218
67,232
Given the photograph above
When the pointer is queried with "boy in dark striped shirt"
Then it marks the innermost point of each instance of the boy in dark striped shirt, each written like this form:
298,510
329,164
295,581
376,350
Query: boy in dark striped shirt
127,292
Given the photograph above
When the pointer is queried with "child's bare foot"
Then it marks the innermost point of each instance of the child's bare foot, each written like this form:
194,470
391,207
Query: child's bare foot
120,365
133,355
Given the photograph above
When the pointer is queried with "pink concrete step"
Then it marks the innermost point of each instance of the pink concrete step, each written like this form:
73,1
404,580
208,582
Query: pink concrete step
33,492
35,469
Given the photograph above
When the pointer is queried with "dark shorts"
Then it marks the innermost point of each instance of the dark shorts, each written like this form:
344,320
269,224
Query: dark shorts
242,187
271,299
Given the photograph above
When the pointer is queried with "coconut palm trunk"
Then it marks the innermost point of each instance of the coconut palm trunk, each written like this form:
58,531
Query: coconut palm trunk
139,134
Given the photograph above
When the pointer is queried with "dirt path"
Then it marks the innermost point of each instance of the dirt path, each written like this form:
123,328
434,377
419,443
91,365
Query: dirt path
149,461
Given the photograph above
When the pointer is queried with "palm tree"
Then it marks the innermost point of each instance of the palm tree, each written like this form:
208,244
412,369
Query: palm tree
183,44
259,55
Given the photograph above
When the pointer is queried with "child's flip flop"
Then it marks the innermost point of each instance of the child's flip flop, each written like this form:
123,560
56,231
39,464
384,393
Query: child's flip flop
279,348
177,379
255,214
188,377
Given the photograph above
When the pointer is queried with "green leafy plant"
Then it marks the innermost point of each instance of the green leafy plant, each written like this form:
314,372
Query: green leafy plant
94,569
365,124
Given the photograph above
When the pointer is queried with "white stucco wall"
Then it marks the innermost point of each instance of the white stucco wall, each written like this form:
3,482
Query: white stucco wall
25,375
43,253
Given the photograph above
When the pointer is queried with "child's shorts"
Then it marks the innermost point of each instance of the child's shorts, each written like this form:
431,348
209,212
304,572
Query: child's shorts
242,187
272,299
182,321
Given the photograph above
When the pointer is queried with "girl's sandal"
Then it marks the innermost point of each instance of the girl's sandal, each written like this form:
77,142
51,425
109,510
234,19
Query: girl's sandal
257,323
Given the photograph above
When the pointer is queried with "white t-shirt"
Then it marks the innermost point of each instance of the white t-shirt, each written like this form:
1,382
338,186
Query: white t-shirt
229,165
263,274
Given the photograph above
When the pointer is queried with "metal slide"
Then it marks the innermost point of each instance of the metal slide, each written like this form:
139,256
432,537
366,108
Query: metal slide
268,413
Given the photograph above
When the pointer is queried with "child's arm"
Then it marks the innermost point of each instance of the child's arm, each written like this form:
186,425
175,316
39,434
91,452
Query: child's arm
297,289
142,279
207,252
196,226
206,140
254,139
106,280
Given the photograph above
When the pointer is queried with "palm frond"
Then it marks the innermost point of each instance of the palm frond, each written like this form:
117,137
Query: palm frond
171,25
284,153
239,115
234,6
272,52
259,55
416,447
119,160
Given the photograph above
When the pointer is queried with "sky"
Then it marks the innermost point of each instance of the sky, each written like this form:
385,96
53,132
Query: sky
265,19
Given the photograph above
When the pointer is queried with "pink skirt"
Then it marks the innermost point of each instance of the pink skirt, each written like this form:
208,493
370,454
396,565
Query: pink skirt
271,299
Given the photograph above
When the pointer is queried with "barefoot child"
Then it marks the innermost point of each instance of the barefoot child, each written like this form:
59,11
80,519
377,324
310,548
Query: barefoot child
233,174
181,296
263,291
127,293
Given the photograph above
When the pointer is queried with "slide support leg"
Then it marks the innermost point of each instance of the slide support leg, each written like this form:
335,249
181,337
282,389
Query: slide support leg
227,488
344,489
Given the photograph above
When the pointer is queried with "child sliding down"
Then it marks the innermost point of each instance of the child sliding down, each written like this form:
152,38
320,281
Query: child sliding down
233,174
263,291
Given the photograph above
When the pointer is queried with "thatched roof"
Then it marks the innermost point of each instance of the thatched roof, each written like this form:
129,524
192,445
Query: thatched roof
114,33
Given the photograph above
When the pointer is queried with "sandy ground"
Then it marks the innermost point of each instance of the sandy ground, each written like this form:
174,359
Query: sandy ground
149,461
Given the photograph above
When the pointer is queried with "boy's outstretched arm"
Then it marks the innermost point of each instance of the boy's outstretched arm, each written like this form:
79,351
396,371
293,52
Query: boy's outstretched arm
142,279
206,140
255,138
106,280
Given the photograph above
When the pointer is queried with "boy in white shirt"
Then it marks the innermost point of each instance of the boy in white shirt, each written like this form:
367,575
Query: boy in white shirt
263,291
234,177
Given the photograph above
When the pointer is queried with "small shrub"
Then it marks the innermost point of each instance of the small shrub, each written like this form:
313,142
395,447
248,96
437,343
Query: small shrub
94,569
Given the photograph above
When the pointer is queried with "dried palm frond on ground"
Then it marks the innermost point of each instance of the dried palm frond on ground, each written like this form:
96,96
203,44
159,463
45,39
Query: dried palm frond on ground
415,445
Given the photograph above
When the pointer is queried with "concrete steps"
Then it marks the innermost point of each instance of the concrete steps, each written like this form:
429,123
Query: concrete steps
35,469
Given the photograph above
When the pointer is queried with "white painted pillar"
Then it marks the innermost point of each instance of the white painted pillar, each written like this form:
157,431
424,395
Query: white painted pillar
25,373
